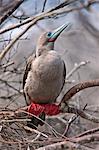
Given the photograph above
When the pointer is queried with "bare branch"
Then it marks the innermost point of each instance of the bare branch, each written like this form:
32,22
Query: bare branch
87,138
8,64
33,21
10,11
91,131
76,67
77,88
54,12
14,120
82,114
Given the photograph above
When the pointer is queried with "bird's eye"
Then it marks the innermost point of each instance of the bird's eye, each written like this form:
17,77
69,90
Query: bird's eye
49,34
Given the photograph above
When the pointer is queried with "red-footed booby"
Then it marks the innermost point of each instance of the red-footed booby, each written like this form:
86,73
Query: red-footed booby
45,71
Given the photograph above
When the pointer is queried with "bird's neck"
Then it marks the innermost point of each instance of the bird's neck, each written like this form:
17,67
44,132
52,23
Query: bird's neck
44,49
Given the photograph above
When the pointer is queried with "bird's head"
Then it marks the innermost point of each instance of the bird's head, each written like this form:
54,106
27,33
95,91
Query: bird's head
47,39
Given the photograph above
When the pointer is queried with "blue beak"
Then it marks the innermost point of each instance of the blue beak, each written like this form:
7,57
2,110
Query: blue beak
56,32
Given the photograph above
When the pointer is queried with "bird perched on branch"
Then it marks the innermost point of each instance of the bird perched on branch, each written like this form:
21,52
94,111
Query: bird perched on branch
44,75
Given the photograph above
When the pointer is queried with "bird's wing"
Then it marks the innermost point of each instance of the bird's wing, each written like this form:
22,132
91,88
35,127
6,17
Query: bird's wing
64,74
27,69
34,121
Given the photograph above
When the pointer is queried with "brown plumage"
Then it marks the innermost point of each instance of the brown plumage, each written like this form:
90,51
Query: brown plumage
45,71
48,79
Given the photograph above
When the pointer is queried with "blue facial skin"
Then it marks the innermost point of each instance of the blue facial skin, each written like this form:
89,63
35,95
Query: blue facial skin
49,34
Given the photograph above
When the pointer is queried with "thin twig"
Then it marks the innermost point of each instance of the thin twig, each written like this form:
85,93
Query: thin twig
71,120
33,130
14,120
33,21
53,13
91,131
76,67
83,114
86,139
44,5
10,11
8,64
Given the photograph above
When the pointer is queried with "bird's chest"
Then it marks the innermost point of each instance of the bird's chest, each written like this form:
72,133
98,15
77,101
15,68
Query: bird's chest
47,68
45,80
